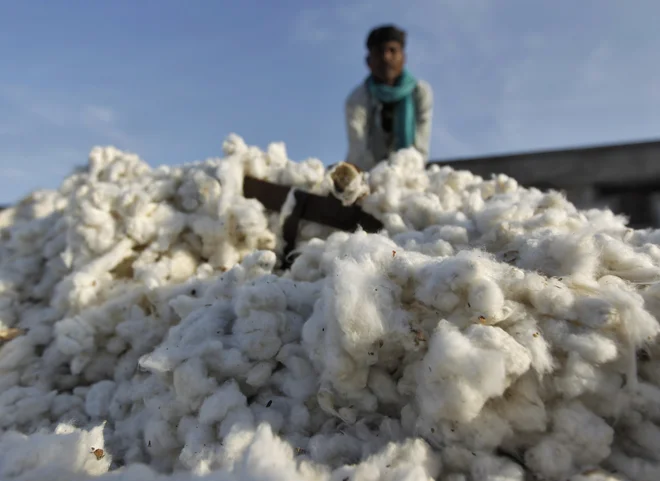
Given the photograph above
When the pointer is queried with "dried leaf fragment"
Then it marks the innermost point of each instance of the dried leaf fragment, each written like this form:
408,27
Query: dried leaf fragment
99,453
10,333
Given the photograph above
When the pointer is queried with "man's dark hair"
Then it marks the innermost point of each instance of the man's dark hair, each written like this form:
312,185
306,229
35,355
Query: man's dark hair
386,33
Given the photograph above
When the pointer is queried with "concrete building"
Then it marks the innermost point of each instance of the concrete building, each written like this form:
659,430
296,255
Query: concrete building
623,177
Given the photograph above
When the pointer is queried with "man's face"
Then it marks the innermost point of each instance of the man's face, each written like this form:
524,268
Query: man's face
386,61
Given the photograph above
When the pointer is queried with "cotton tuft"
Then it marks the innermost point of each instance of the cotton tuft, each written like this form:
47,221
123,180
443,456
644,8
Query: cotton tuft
488,332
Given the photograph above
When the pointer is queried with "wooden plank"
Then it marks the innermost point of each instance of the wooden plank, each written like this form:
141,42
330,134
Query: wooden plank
327,210
322,210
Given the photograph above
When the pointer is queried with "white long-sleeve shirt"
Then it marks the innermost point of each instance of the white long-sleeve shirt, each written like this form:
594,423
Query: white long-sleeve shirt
368,142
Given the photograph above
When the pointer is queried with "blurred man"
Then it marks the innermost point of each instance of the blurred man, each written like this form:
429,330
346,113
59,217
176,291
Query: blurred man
391,109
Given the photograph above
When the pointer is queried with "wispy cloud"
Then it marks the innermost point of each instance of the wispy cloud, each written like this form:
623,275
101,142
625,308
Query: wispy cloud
46,133
34,109
103,121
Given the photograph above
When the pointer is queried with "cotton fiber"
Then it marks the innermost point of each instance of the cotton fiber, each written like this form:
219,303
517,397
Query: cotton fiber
487,332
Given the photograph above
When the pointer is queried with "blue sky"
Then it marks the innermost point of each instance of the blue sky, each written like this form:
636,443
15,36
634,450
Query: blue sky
169,80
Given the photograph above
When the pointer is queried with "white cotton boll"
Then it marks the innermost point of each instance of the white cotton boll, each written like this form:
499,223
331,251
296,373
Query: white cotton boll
79,291
16,354
577,377
64,454
199,451
407,383
216,407
236,420
299,419
491,468
596,475
383,387
523,405
310,231
277,155
405,266
647,436
621,260
574,256
596,312
456,377
258,376
97,368
265,415
24,405
299,380
227,363
592,346
634,468
160,440
484,433
257,335
348,415
292,326
410,460
334,449
261,295
391,429
639,326
454,234
550,458
234,144
485,298
343,371
455,477
421,210
549,296
196,335
267,455
528,333
437,248
259,263
439,281
307,174
363,305
590,436
116,345
225,256
97,402
8,304
8,380
184,305
246,221
516,356
191,382
64,404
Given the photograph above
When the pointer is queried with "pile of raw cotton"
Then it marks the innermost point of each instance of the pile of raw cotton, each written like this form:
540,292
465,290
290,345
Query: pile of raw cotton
489,332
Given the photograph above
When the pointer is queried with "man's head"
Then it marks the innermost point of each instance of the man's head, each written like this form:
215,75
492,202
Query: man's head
386,45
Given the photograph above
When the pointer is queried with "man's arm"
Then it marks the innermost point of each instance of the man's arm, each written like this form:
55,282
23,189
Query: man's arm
356,129
424,118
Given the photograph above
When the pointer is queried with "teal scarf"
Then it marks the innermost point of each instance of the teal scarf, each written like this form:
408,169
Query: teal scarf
402,95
